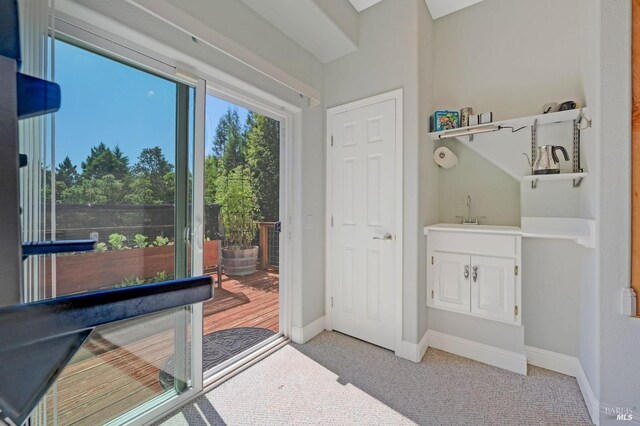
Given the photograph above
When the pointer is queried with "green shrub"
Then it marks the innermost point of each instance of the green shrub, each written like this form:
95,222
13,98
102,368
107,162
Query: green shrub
140,241
161,241
130,281
101,248
161,276
117,241
238,207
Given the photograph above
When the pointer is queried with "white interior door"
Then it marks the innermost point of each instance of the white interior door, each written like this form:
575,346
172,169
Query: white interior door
451,281
363,234
493,288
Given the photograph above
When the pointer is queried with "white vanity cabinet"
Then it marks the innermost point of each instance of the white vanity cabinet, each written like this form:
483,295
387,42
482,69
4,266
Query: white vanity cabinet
475,270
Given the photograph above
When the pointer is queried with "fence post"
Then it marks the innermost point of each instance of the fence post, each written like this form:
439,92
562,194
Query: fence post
264,246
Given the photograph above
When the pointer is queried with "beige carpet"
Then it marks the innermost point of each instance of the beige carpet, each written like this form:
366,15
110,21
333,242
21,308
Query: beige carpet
338,380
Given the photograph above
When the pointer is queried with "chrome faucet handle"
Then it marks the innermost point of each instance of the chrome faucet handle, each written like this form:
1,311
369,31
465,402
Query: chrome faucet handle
477,219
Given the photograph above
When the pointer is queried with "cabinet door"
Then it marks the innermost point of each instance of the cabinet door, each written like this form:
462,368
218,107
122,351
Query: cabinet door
451,281
493,288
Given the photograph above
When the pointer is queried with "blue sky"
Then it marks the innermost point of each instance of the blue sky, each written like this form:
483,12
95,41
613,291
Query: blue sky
105,101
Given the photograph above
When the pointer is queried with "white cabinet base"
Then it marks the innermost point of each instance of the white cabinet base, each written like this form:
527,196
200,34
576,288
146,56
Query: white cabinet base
475,271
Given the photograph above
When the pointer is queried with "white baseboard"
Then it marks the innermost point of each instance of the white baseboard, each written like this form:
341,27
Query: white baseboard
413,351
593,405
497,357
560,363
308,332
570,366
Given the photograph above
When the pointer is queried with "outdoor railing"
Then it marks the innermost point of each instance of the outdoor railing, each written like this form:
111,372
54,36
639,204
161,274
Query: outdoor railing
269,244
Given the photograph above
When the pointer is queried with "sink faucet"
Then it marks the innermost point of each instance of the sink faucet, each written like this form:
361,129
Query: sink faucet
468,220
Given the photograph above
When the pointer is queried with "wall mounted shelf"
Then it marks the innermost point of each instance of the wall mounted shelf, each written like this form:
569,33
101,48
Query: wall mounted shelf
503,142
582,231
543,119
576,177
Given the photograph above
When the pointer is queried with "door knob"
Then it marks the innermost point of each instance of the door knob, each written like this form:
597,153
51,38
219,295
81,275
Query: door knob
386,236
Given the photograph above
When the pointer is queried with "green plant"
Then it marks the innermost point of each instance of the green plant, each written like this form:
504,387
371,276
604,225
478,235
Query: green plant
130,281
101,248
117,241
161,241
161,276
141,241
239,207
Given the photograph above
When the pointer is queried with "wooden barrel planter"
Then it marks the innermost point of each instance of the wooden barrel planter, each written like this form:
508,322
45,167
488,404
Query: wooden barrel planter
239,262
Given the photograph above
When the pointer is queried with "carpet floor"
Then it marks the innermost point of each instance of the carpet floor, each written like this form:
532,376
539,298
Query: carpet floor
337,380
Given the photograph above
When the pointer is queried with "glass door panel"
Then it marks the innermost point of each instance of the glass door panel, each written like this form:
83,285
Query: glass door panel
241,250
120,173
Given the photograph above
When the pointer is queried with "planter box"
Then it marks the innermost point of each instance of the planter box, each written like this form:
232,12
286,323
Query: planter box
94,271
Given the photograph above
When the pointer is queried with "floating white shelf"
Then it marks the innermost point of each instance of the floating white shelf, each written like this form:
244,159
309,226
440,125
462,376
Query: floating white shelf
582,231
534,179
550,118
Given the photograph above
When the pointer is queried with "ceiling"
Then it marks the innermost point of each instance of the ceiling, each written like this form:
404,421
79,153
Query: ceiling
361,5
440,8
311,26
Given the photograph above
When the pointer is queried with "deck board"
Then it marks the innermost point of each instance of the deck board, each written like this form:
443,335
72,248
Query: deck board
118,369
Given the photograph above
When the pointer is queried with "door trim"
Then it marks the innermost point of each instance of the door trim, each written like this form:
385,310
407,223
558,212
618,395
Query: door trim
396,95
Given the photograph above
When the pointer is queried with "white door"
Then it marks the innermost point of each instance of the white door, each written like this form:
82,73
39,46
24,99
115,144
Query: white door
363,209
493,287
451,277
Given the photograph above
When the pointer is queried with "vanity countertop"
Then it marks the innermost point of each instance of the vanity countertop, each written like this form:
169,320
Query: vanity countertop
481,229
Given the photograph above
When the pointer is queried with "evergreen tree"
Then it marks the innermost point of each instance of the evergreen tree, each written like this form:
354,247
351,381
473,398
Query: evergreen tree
67,173
149,173
263,158
104,161
211,173
229,142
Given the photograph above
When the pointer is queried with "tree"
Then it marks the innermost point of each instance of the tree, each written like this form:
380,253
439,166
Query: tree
229,142
149,172
263,158
211,172
238,207
104,161
67,173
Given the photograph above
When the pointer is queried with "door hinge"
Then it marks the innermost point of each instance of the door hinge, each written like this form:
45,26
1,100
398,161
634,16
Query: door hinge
432,294
516,271
515,310
332,221
331,140
432,260
332,302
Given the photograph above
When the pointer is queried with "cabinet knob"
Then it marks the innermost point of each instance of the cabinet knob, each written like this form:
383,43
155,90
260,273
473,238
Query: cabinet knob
475,274
466,271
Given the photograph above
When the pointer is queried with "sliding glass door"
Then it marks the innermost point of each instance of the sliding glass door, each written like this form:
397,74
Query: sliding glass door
120,170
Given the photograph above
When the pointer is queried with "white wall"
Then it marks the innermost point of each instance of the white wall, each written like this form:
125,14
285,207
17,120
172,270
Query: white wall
236,21
387,59
512,66
619,334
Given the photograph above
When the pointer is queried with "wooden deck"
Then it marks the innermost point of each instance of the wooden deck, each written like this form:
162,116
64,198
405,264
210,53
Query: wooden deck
119,367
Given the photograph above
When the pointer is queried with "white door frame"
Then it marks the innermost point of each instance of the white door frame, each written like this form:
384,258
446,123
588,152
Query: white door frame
396,95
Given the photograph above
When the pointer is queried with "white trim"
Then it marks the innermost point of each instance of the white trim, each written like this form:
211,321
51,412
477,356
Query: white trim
414,351
396,95
592,403
195,28
491,355
629,302
73,20
308,332
560,363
